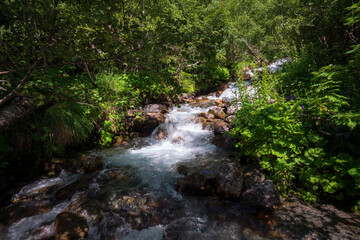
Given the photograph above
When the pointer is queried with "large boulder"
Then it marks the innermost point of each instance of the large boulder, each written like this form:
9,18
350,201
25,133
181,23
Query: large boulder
195,183
252,175
146,124
218,102
207,116
229,181
262,194
218,112
223,142
220,127
155,108
70,226
258,191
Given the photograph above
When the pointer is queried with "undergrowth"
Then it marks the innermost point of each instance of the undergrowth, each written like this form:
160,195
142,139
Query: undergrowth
308,144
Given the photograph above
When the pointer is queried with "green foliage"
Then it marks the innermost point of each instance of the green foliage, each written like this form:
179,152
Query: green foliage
220,74
67,124
300,142
187,82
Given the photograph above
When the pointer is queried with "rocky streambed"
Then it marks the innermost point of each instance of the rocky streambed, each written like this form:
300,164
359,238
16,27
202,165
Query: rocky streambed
178,181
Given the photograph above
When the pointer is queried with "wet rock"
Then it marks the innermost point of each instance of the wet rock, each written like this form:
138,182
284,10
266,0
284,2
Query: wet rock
218,102
299,220
195,183
158,117
223,142
252,175
230,110
221,127
80,184
230,119
204,100
183,98
92,164
262,194
145,125
142,211
208,125
70,226
229,181
200,120
204,122
160,133
155,108
218,112
111,175
202,103
177,140
218,93
207,116
182,169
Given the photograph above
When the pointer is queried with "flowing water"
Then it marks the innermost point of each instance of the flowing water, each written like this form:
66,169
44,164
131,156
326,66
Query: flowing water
134,196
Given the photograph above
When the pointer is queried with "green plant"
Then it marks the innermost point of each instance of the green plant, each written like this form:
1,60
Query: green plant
67,123
297,142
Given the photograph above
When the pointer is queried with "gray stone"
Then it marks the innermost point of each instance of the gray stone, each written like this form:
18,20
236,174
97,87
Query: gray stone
154,108
262,194
229,181
195,183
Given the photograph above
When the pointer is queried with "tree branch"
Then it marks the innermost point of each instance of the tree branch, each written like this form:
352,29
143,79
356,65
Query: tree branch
89,75
251,49
182,66
20,85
